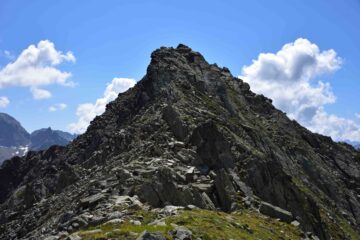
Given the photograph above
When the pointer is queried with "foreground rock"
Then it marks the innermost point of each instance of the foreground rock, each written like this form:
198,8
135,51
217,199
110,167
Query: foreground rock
275,212
151,236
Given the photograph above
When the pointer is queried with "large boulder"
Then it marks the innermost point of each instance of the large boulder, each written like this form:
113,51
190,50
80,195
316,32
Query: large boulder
151,236
276,212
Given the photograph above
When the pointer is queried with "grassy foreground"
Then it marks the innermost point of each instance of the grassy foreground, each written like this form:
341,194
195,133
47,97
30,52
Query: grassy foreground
204,224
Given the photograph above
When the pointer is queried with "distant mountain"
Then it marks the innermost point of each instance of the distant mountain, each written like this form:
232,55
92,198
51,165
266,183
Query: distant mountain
44,138
68,136
16,141
12,134
354,144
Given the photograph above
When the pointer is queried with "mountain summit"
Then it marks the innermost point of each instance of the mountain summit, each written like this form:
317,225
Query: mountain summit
12,133
44,138
191,135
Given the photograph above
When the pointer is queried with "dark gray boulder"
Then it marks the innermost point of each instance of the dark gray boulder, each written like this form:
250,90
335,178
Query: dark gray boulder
150,236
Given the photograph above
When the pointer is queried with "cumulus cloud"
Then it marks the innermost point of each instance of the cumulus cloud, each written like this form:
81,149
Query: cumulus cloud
289,76
86,112
39,94
57,107
35,67
357,115
4,102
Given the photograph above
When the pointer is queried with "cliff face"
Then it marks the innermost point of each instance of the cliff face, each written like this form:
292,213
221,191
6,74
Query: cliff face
189,133
12,133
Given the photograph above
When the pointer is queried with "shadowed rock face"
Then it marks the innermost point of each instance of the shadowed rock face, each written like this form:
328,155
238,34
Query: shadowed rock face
12,133
188,133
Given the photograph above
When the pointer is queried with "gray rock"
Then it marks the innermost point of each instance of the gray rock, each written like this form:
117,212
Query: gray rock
92,200
181,233
275,212
225,190
73,237
150,236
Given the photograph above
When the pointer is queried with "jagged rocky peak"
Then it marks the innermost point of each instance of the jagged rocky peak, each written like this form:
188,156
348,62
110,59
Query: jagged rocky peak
189,140
182,65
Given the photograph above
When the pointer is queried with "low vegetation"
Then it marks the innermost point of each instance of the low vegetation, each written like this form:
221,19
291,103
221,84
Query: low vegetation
204,224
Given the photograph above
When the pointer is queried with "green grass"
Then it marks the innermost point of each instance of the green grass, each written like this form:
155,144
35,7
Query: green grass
204,224
122,231
242,225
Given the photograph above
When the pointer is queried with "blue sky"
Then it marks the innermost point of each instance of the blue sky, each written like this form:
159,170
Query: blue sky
114,39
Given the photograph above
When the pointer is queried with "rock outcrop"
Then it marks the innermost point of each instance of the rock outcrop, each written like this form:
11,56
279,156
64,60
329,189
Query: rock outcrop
188,134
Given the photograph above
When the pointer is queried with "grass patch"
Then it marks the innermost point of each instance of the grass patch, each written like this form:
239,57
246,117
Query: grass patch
121,231
242,225
204,224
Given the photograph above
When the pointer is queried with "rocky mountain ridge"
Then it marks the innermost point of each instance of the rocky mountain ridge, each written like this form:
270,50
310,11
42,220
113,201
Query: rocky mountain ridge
191,135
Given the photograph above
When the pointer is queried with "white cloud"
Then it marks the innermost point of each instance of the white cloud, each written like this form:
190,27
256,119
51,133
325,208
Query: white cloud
57,107
4,102
288,78
88,111
39,94
9,55
35,67
357,115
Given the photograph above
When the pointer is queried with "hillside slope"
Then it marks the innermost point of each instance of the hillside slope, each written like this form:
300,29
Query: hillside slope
189,133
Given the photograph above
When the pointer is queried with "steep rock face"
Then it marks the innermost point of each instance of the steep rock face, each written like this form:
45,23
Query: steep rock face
12,133
188,133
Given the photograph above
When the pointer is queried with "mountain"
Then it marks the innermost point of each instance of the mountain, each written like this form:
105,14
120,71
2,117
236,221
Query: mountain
66,135
11,132
44,138
188,153
355,144
16,141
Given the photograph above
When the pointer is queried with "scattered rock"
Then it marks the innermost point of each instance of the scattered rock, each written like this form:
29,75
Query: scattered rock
92,200
181,233
150,236
295,223
115,221
275,212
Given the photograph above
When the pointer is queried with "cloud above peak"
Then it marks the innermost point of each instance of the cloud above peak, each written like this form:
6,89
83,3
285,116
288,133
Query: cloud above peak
36,66
4,102
40,94
86,112
289,77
